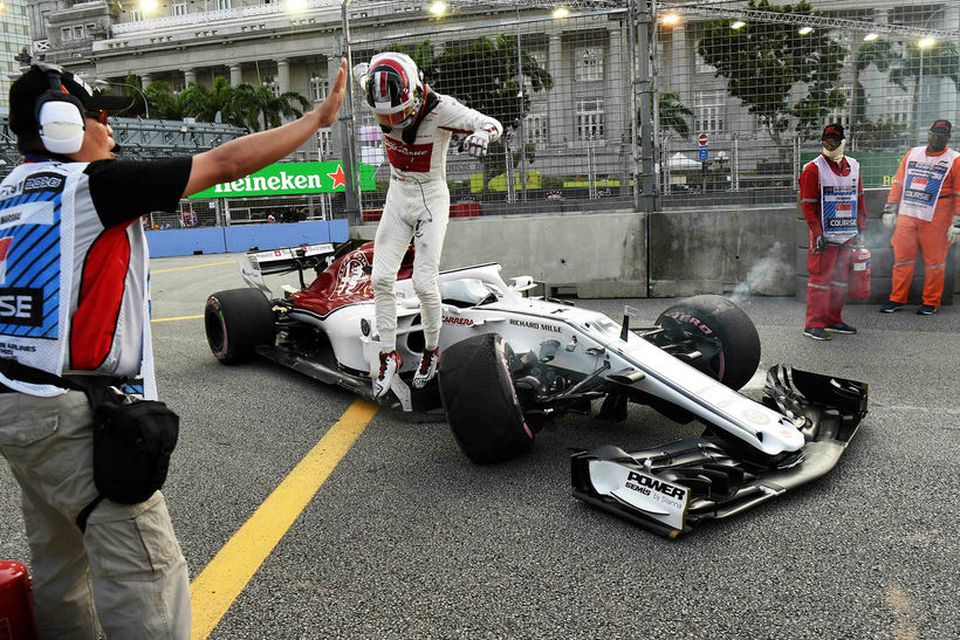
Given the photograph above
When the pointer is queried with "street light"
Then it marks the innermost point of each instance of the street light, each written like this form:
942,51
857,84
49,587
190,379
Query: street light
146,103
922,45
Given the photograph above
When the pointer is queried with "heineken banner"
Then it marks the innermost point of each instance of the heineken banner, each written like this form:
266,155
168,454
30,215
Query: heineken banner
290,179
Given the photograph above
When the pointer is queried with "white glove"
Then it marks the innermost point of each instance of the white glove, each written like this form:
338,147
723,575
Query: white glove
477,143
360,73
953,233
890,215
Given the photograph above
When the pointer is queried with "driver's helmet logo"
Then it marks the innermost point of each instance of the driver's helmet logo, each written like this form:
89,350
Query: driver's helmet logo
352,276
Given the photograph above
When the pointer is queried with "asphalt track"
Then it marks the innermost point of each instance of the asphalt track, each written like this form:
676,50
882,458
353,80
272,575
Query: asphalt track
386,531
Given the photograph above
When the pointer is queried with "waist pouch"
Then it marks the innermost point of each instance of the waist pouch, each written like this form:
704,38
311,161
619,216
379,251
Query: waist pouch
132,439
132,444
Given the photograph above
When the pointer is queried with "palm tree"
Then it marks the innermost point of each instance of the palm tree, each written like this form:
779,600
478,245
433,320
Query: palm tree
166,104
673,113
942,60
259,107
203,103
880,54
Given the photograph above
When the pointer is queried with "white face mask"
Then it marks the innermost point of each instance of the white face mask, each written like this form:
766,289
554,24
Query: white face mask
837,153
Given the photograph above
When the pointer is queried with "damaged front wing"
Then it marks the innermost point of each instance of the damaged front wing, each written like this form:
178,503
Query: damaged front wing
671,488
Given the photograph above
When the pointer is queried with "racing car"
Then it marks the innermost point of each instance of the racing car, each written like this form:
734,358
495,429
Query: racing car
511,361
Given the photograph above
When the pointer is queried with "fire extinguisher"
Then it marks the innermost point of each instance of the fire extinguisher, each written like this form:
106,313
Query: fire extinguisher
16,602
859,281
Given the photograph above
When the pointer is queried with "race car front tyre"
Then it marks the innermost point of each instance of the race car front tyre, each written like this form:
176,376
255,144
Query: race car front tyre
711,319
237,321
480,400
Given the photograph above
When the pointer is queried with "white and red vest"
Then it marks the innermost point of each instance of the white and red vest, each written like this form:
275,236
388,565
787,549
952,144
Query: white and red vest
838,201
73,294
922,181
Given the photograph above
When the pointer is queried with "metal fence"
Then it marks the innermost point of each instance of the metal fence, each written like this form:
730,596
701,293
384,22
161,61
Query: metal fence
728,98
605,103
761,81
558,84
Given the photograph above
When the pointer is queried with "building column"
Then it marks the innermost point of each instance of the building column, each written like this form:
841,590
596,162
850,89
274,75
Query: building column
616,110
145,81
561,128
236,75
189,78
283,75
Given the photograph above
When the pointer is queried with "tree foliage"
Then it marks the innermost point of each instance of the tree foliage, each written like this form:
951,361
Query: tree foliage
784,78
483,74
673,113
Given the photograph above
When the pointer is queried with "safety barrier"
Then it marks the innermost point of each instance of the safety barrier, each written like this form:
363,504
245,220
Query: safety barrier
206,240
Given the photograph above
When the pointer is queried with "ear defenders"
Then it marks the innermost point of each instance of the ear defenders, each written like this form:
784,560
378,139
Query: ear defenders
59,115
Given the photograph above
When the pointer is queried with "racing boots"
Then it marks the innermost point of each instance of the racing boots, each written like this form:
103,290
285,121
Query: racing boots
429,362
390,363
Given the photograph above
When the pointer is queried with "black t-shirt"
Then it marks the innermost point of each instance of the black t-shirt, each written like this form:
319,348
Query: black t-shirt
126,189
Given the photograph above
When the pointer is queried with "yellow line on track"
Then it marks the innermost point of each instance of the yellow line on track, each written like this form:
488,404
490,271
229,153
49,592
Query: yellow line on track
225,577
196,266
175,318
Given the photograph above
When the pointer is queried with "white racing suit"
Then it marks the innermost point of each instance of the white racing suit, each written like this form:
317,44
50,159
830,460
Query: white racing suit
417,208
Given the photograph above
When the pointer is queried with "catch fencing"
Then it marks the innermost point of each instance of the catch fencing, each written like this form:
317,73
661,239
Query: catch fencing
650,105
636,104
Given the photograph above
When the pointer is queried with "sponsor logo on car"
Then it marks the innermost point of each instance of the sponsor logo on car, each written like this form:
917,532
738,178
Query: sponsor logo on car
539,326
466,322
647,484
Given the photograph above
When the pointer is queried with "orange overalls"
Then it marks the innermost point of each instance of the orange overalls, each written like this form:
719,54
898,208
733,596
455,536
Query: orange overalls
913,234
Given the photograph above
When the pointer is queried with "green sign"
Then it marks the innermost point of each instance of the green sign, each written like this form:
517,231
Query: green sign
290,179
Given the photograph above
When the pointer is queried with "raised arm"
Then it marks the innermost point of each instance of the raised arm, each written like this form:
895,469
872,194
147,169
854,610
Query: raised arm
238,158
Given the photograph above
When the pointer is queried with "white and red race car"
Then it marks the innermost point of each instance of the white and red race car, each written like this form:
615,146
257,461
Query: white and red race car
511,360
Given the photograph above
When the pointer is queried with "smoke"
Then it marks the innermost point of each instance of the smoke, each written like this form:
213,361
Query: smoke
766,276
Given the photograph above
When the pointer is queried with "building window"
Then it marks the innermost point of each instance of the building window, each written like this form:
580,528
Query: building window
78,32
841,115
66,34
708,112
589,119
897,109
589,64
324,143
180,8
536,128
224,4
137,15
319,86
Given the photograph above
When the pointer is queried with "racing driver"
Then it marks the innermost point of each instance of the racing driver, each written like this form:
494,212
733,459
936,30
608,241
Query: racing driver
417,125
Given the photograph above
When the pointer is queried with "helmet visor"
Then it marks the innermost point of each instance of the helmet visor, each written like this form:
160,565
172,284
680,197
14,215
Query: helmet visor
400,119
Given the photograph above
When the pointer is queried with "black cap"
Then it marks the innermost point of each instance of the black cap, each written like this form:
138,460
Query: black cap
835,129
942,125
36,81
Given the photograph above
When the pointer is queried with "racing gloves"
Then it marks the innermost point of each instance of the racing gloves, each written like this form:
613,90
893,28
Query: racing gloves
890,215
360,73
953,233
477,143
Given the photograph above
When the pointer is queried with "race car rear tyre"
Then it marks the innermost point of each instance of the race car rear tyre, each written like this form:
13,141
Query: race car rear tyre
715,318
480,400
237,321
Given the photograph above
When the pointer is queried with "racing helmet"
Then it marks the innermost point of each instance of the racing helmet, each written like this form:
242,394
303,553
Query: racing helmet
394,89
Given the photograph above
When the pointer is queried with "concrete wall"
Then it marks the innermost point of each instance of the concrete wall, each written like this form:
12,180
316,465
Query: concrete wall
747,250
595,256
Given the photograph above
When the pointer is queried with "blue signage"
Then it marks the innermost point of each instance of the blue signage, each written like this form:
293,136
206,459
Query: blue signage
702,153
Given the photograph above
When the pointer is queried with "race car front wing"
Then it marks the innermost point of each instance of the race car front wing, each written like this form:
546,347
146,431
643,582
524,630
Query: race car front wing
671,488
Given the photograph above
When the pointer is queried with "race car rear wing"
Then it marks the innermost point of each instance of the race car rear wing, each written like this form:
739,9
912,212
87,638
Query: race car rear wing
256,264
